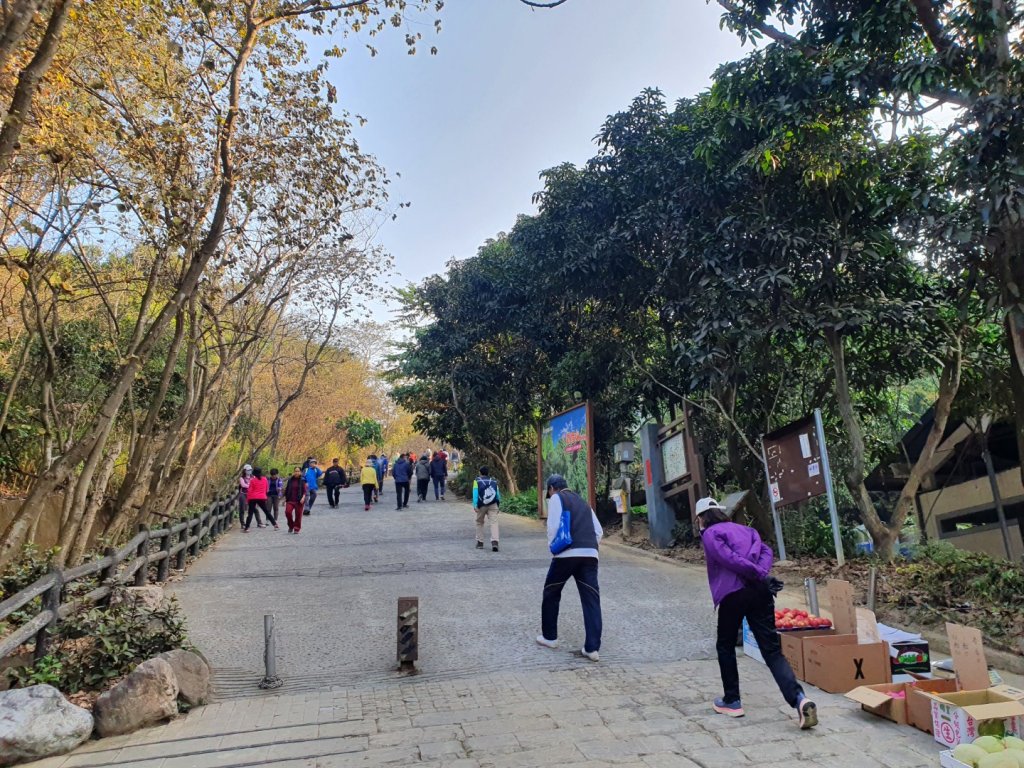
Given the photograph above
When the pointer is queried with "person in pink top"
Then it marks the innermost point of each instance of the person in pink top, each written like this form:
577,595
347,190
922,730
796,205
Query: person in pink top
256,495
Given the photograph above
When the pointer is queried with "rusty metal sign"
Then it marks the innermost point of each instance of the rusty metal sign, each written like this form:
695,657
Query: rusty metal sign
793,463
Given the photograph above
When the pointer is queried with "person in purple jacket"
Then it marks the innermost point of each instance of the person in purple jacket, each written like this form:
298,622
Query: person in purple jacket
738,566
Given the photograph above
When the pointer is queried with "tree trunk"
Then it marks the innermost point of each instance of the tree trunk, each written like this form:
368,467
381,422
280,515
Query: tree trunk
885,536
96,499
28,83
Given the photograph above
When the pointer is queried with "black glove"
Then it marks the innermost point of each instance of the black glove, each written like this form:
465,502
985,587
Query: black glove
774,585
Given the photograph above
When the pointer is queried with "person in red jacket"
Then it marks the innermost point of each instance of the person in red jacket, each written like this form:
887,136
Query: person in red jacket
295,492
257,498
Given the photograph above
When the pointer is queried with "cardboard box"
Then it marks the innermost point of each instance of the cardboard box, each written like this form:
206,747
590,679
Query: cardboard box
919,706
793,647
840,663
959,717
877,700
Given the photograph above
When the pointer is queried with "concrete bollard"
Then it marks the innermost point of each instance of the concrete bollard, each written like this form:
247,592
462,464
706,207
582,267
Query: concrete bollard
408,633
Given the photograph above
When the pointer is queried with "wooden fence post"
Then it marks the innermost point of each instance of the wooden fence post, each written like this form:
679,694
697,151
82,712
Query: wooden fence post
109,574
197,523
164,567
183,541
51,602
142,551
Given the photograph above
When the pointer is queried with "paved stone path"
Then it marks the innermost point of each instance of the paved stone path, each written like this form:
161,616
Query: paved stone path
485,695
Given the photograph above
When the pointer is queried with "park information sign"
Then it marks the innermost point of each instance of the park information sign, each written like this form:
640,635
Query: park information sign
793,459
565,448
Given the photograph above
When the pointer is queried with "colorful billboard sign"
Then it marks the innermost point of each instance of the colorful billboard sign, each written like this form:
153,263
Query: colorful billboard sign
565,449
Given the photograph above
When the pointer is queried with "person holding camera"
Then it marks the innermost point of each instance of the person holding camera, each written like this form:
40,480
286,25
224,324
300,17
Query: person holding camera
738,565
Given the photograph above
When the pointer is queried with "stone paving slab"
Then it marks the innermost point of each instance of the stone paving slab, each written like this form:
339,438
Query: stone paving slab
486,695
650,714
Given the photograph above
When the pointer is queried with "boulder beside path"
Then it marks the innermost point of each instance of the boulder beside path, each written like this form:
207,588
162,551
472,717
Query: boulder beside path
38,722
146,697
192,674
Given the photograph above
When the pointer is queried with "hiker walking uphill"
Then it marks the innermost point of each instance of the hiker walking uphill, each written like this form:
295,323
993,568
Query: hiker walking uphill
575,557
295,491
368,479
422,473
276,483
334,480
439,474
738,566
402,472
486,501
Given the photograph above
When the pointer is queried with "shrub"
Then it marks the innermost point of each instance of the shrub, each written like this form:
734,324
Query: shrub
523,504
101,643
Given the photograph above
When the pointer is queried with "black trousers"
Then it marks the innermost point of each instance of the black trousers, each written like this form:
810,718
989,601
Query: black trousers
422,486
368,493
333,495
254,506
757,605
584,571
402,491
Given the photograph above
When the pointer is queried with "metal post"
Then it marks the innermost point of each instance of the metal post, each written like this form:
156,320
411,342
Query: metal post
811,588
779,542
270,678
627,518
872,587
826,470
996,497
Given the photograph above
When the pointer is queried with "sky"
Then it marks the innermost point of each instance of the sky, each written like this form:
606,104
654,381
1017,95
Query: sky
511,92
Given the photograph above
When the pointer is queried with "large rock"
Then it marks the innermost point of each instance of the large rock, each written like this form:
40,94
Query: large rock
38,722
192,674
147,696
150,598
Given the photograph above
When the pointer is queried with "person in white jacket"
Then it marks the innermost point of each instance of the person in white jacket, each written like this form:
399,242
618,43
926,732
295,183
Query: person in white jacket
578,561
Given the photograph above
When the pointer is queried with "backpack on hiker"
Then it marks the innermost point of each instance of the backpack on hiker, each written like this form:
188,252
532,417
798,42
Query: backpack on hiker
487,491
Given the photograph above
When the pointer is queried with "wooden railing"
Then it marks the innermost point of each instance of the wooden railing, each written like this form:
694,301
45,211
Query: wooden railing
132,564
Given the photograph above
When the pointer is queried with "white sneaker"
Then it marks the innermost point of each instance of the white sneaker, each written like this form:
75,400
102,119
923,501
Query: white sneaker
592,655
541,640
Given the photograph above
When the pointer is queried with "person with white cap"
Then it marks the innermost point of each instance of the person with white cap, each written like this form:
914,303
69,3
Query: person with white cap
243,492
577,561
738,565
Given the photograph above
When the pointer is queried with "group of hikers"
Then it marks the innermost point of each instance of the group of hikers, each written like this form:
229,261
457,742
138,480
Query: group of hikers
431,466
738,562
264,493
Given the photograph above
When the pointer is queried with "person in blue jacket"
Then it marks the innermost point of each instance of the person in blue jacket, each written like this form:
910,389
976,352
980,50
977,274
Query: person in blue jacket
486,502
402,472
313,474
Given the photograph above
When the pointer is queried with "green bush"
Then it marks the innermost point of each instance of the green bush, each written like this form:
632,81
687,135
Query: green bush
523,504
99,644
808,532
639,511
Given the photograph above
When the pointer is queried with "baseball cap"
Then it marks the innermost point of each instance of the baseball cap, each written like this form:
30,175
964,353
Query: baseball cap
557,481
706,504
